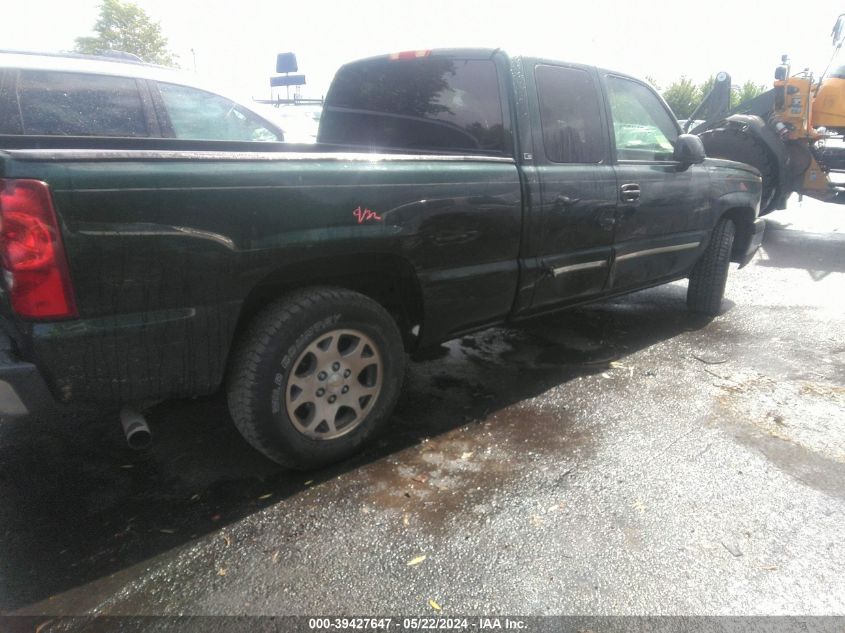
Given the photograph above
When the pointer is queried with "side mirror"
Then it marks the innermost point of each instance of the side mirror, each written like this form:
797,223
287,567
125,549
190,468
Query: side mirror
689,150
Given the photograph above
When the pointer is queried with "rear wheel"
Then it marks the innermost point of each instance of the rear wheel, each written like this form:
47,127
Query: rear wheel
732,143
710,274
315,376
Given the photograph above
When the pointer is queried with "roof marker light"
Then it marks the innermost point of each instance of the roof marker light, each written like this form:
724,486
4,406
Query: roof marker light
409,55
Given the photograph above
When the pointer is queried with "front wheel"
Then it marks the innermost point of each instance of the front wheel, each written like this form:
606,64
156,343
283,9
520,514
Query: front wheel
315,376
710,274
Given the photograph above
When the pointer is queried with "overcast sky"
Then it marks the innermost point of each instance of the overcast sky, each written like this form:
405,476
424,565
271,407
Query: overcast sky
235,41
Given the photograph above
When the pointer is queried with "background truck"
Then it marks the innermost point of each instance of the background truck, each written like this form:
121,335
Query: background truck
449,191
792,133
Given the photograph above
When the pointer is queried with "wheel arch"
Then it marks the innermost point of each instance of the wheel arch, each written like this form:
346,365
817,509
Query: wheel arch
388,279
743,219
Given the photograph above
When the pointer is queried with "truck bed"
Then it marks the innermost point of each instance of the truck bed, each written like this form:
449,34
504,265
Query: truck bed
168,250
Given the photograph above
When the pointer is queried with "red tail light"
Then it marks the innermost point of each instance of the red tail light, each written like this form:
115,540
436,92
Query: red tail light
31,252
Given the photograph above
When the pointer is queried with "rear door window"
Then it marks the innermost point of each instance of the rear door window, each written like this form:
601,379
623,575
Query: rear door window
200,115
80,104
569,115
431,103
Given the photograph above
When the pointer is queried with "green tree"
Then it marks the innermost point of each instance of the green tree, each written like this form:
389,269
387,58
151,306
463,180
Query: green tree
746,91
682,96
123,26
705,87
739,94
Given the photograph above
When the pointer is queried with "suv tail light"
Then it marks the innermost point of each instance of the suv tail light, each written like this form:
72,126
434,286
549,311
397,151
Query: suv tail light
31,252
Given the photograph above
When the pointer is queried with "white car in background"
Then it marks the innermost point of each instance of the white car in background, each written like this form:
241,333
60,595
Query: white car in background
298,121
69,95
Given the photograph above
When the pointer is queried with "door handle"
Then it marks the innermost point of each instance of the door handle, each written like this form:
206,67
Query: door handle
629,192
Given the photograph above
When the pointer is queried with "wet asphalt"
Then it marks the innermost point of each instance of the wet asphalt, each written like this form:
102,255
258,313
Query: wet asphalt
620,458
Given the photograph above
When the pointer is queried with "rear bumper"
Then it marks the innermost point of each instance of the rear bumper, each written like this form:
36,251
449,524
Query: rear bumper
754,242
23,391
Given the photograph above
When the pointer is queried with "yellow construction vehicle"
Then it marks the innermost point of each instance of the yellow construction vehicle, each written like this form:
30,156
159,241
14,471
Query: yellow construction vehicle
787,133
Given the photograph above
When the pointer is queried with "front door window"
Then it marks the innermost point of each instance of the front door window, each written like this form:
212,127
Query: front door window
642,127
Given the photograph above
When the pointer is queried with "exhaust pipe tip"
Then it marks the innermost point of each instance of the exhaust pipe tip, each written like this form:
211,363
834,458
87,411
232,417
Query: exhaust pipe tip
135,429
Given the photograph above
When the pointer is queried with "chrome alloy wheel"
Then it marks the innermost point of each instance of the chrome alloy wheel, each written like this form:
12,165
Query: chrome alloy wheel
334,384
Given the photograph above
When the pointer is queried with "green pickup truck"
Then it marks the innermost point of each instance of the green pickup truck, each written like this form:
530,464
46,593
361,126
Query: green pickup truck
449,191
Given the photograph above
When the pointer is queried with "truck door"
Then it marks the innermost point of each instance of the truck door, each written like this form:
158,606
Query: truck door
662,205
573,227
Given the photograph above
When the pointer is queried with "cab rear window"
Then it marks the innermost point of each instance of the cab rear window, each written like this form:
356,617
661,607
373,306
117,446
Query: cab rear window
79,104
431,103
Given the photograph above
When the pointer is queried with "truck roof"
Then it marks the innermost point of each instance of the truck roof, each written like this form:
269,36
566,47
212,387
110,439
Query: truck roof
485,53
464,53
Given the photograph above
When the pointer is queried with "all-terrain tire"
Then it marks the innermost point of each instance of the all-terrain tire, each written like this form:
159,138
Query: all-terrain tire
732,143
710,274
263,362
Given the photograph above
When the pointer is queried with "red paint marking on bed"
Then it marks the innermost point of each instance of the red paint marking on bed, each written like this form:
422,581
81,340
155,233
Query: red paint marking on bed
365,215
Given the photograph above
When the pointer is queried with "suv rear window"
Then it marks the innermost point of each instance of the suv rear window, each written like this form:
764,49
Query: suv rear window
431,103
80,104
200,115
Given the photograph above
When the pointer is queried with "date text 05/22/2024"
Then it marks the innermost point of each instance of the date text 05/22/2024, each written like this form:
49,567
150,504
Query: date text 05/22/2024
416,624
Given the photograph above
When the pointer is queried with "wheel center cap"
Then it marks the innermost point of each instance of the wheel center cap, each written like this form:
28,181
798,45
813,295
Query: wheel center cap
334,382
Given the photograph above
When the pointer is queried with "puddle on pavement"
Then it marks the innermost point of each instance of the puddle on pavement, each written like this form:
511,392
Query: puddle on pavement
484,438
458,477
794,424
808,467
463,438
